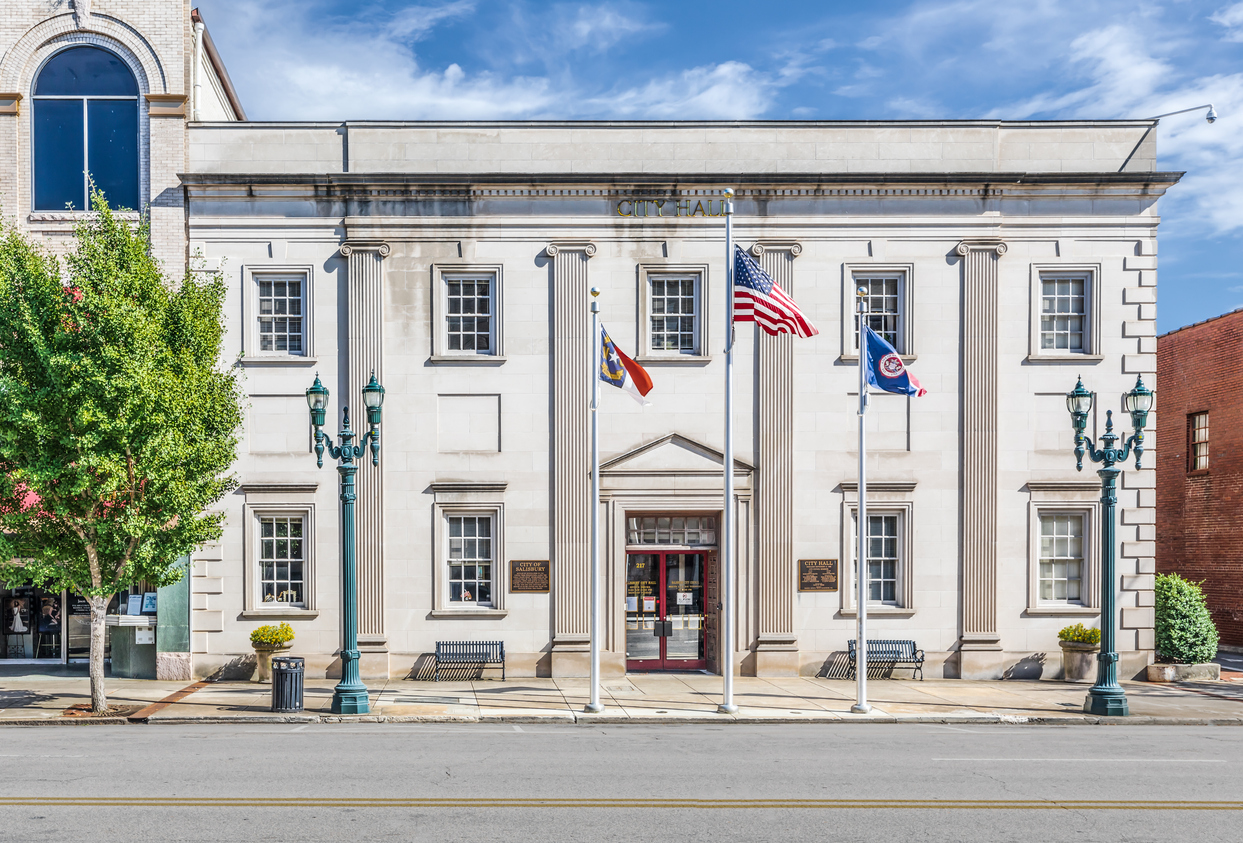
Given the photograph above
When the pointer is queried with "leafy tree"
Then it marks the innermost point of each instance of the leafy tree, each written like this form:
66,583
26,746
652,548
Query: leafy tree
117,425
1185,630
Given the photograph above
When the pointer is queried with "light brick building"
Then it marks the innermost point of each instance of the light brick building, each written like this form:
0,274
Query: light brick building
454,259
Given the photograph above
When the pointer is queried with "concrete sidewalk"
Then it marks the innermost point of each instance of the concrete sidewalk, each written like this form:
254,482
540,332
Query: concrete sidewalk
640,698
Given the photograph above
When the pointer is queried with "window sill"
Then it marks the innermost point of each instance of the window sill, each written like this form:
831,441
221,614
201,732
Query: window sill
676,360
469,613
276,360
466,359
1068,610
1199,472
77,216
291,614
1064,358
878,611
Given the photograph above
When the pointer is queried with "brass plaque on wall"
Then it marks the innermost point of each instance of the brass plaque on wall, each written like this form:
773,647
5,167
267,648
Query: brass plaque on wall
817,575
529,576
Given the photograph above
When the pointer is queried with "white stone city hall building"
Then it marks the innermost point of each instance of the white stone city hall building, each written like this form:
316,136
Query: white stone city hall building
1002,259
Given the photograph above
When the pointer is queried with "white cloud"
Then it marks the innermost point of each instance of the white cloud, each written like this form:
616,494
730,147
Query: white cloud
1231,18
599,27
417,22
730,90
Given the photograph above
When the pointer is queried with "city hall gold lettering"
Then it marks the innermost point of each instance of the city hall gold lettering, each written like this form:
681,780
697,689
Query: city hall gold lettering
671,208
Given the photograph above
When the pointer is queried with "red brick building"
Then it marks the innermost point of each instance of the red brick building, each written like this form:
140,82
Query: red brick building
1200,463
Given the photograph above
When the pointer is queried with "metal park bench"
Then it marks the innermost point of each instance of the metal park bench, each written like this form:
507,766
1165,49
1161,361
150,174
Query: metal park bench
482,653
892,653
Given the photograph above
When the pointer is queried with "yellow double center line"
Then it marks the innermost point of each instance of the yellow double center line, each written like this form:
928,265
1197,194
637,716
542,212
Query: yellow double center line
636,803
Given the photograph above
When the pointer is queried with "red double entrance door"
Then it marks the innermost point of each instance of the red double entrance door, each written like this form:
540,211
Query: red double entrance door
670,611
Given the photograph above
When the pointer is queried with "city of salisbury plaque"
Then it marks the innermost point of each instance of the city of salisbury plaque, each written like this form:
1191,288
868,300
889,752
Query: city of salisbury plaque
817,575
528,576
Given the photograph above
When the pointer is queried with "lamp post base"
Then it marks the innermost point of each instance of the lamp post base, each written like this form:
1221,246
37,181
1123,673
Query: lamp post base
860,709
350,699
1108,702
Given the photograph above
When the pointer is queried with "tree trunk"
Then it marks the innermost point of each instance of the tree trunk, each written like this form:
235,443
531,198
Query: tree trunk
99,608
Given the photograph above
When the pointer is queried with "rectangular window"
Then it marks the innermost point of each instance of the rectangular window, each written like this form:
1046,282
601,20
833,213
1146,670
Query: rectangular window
1063,314
468,309
689,530
674,313
1197,446
1061,558
884,301
470,560
884,549
282,578
280,310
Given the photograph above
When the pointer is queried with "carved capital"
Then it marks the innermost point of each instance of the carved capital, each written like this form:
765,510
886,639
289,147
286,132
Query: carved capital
759,248
967,246
554,249
350,246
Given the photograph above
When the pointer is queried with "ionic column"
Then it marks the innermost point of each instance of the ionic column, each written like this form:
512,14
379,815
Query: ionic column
980,644
571,457
366,354
777,645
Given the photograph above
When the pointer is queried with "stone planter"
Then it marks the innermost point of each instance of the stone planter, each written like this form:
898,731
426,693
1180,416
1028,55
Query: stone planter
1079,661
1183,672
263,662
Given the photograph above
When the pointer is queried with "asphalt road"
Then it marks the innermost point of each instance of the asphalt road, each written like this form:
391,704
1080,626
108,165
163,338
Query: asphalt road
625,783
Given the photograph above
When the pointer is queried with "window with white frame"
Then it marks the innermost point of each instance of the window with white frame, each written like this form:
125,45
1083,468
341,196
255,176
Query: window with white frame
282,559
884,313
280,305
673,314
886,551
470,314
1062,563
1064,323
470,560
691,530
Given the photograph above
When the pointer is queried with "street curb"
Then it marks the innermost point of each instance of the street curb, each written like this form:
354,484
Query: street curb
606,719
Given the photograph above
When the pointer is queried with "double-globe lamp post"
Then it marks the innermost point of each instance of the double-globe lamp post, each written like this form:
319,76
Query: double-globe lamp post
1106,697
350,695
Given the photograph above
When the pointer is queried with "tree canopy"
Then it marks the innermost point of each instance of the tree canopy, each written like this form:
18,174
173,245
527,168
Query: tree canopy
118,426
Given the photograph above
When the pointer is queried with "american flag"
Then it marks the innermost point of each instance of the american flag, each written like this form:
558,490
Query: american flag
759,299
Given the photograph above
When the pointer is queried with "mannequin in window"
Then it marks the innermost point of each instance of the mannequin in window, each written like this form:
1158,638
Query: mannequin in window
16,625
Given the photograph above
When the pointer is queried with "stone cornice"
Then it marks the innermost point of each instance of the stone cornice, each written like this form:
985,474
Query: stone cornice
766,185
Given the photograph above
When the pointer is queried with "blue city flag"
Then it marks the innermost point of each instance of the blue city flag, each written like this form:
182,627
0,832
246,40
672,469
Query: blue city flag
885,369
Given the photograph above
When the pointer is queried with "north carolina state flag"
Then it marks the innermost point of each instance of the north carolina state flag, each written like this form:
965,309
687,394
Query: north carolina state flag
620,371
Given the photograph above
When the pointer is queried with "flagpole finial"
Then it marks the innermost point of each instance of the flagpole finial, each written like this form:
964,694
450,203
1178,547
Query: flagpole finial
595,291
728,193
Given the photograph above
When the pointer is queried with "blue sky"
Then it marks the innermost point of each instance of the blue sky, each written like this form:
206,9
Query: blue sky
1040,59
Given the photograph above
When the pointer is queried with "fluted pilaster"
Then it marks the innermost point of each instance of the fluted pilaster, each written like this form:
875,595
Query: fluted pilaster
571,470
366,354
777,647
980,638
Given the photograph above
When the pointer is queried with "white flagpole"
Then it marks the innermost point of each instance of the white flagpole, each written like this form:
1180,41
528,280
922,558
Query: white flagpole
594,705
726,634
861,526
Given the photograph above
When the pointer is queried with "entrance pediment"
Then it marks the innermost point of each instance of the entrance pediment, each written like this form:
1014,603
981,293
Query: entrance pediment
672,455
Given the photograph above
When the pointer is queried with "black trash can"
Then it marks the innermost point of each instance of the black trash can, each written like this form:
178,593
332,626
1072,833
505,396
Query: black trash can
287,673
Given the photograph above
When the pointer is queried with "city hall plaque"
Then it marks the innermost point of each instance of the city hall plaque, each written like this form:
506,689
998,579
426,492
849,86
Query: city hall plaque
528,576
817,575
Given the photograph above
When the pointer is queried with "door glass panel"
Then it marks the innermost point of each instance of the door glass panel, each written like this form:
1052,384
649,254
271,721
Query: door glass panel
685,605
642,606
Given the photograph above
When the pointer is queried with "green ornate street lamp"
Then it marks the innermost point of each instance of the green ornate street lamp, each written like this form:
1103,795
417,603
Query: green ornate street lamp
1106,697
350,695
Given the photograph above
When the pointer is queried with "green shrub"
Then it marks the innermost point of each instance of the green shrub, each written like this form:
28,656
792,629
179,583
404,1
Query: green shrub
270,636
1185,630
1080,634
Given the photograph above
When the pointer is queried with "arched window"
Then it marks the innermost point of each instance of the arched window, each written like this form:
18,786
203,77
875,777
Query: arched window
85,129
